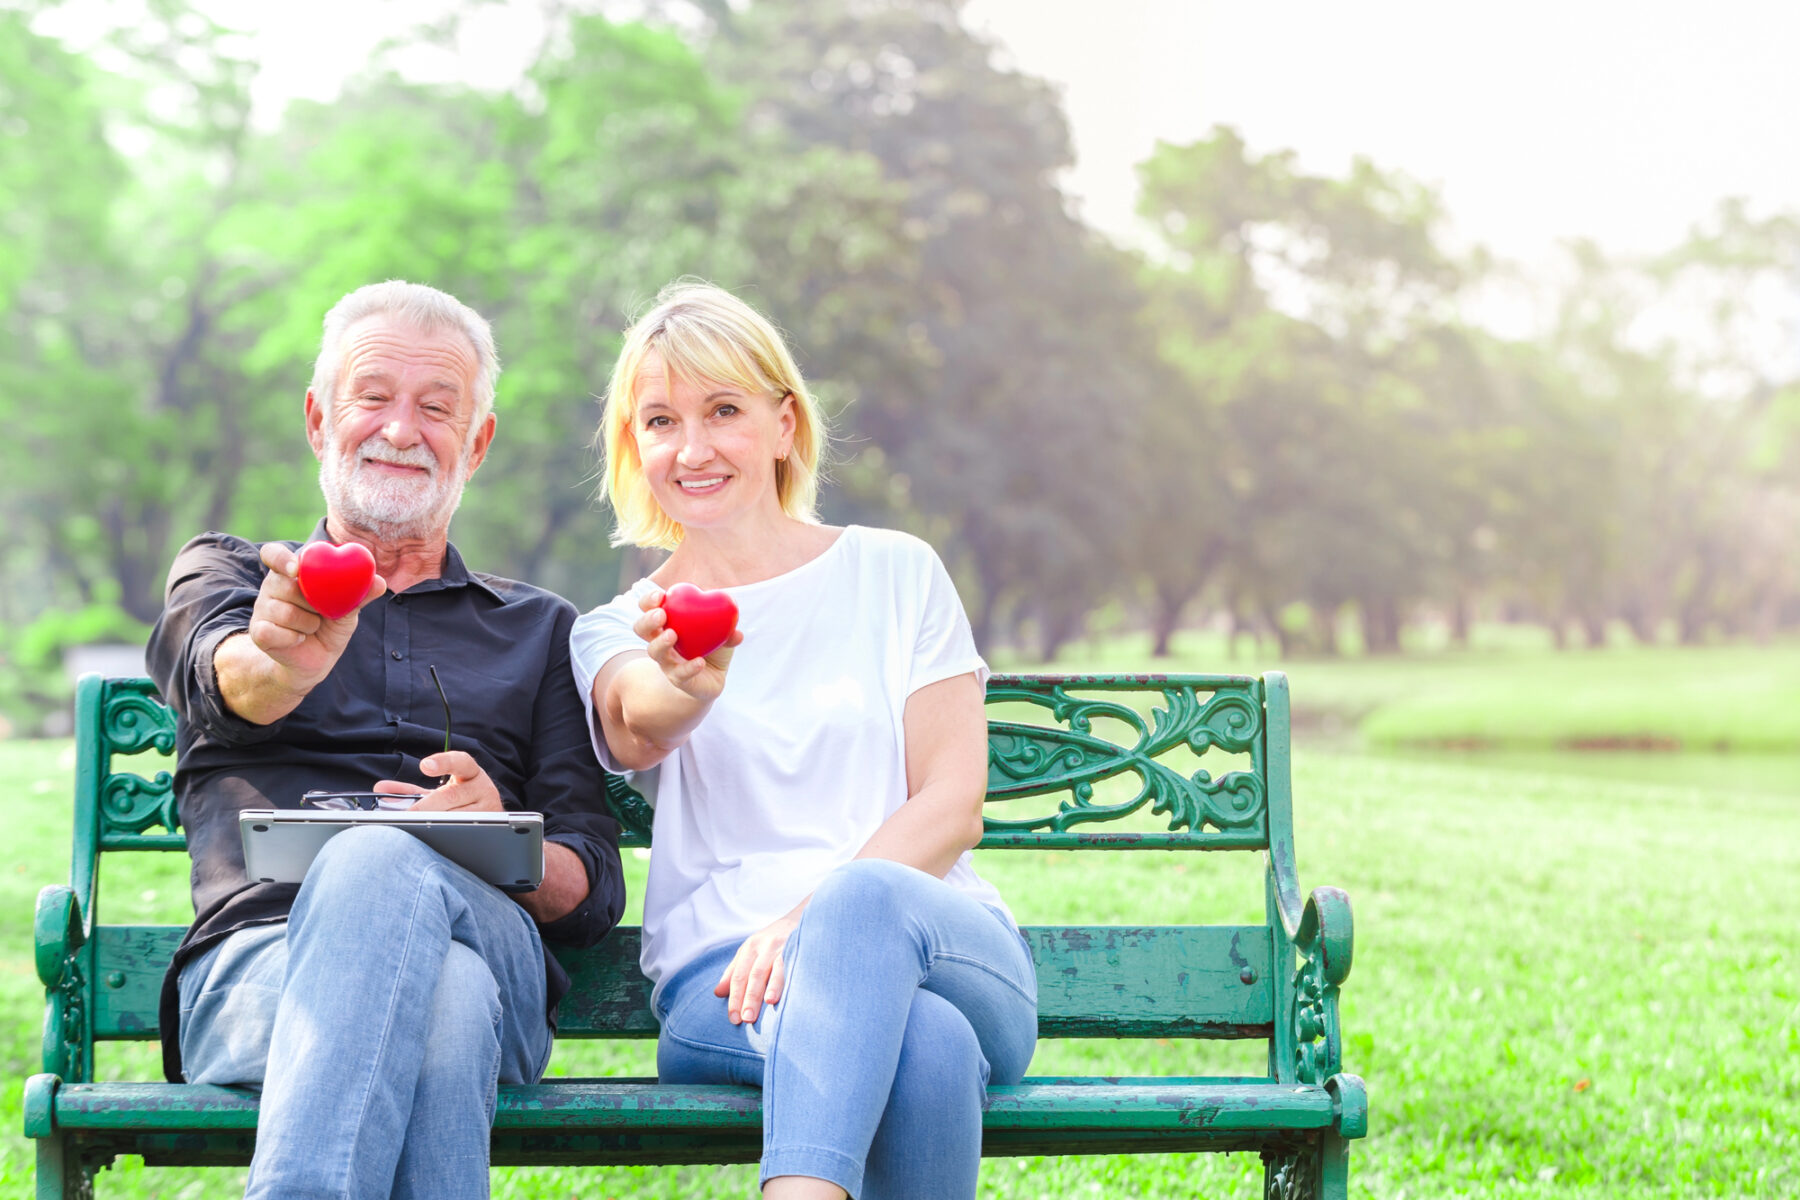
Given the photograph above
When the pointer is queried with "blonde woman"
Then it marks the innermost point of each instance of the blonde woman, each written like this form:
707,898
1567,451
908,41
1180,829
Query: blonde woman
812,924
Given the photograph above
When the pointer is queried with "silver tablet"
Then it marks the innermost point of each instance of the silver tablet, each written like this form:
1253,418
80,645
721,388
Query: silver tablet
504,848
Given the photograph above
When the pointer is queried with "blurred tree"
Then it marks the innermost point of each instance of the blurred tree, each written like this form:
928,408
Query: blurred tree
58,174
122,315
1303,313
1020,325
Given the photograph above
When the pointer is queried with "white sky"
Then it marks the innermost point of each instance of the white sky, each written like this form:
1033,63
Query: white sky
1620,120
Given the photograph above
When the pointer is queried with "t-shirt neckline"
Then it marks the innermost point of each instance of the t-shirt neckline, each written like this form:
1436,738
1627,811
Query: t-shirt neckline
794,572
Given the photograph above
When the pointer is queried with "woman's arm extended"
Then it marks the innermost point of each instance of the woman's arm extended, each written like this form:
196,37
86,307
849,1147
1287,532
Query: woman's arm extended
946,781
649,703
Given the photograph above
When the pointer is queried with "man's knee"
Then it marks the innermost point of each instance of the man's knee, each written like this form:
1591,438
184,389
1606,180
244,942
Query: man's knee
375,855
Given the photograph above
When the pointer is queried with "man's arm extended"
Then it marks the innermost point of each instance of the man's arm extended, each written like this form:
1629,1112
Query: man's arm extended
265,672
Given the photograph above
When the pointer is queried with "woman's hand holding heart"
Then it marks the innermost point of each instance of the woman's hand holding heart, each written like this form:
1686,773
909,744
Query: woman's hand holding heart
701,678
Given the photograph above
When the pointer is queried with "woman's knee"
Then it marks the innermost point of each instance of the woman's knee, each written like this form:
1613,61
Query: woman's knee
871,887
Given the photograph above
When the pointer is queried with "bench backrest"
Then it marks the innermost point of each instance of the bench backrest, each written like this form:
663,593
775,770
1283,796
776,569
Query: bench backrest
1122,762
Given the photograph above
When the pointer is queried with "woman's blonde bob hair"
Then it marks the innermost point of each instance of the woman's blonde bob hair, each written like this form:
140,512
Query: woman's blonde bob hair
703,334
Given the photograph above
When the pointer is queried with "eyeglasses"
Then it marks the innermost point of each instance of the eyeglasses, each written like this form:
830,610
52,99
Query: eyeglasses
440,687
364,801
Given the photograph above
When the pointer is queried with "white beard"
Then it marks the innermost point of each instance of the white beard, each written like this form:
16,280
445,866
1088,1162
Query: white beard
393,508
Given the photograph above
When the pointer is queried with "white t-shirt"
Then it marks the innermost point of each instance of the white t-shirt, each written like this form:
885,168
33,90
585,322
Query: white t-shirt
803,755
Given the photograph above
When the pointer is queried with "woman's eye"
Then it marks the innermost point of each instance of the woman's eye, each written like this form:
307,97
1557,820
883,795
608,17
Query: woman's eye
657,423
726,410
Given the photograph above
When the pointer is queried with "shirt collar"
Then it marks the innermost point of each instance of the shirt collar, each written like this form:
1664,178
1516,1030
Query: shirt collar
455,572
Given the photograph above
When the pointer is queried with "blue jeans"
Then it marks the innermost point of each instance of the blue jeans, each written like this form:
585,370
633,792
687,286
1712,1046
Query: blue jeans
905,998
377,1023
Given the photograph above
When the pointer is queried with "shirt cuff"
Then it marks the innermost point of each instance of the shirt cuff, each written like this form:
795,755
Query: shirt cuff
217,720
592,918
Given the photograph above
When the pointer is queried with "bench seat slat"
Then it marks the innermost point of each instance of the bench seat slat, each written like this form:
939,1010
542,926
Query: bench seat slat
1068,1105
1093,981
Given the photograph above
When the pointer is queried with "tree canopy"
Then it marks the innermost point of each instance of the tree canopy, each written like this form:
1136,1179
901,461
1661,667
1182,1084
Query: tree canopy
1278,412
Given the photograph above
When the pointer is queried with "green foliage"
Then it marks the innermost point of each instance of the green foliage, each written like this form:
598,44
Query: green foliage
1280,411
32,677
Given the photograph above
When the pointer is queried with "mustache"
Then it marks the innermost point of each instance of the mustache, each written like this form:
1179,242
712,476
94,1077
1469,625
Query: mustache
379,449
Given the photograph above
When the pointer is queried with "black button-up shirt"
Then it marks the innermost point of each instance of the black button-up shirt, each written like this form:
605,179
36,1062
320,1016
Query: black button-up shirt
502,651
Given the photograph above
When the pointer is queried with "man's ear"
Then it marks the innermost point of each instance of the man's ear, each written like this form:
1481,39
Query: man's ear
315,425
483,440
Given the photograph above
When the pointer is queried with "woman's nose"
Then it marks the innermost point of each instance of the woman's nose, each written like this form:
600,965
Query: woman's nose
695,450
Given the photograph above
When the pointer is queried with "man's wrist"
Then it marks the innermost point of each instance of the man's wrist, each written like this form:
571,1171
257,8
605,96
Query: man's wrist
254,685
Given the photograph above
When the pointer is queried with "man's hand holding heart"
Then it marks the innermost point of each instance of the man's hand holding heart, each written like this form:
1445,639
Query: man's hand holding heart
301,641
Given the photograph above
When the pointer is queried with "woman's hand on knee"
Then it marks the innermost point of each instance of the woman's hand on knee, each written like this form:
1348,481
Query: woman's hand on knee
756,975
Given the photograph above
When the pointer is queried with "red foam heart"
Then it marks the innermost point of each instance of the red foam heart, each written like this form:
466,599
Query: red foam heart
334,579
702,620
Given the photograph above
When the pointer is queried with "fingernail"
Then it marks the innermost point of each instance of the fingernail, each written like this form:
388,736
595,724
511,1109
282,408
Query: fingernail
746,1014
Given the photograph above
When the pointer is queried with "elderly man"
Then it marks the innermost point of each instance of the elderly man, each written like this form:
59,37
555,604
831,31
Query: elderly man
377,1003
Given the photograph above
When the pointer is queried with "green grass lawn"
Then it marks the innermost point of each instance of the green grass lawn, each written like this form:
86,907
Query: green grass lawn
1511,695
1565,986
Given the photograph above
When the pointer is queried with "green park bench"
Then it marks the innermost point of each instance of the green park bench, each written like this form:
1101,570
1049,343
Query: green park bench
1112,763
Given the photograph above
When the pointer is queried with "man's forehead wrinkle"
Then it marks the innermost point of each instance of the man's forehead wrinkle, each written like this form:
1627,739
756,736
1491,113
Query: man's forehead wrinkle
381,353
377,336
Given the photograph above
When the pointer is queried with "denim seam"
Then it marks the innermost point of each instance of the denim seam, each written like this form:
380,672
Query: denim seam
940,956
387,1026
710,1047
809,1158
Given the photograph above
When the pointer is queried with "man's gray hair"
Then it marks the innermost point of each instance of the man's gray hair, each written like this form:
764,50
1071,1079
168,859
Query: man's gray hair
424,308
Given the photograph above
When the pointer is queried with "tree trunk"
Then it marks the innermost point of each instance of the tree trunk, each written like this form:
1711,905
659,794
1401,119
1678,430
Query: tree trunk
1696,610
1460,620
1283,643
1169,605
1053,632
1325,622
1637,619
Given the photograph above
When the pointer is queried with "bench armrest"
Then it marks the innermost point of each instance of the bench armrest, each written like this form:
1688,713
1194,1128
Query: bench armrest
59,934
1323,948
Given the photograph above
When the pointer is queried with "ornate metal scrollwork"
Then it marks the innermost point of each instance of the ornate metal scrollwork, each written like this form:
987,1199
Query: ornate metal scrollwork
64,1051
135,721
630,809
1030,760
131,803
1317,1052
1291,1175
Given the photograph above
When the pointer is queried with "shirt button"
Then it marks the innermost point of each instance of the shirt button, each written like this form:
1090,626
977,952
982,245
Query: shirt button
396,655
